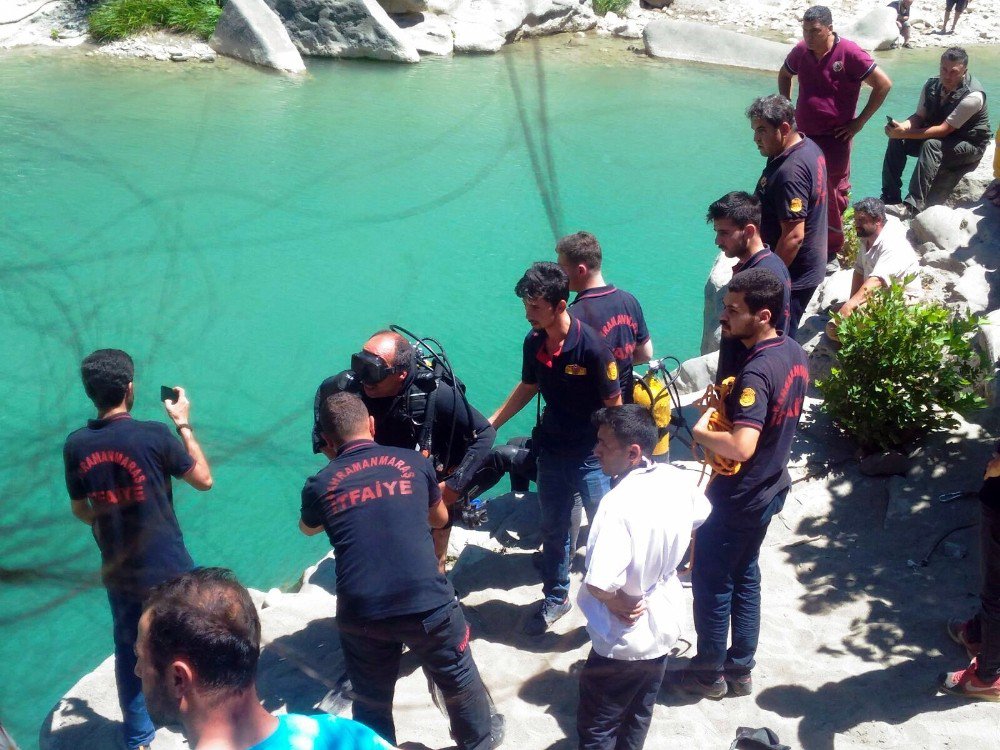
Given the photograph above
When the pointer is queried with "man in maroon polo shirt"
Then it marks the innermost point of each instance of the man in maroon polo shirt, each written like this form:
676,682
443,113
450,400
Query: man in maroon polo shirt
831,70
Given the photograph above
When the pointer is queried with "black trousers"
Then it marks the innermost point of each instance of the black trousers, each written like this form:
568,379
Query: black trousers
616,701
933,155
797,305
985,626
440,639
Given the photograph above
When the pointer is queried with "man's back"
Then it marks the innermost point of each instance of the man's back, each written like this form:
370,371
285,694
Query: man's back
373,502
123,467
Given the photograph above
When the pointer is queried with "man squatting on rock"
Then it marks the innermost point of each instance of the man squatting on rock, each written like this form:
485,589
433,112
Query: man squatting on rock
764,408
948,134
118,474
613,313
885,255
793,197
377,505
197,652
414,407
570,364
631,596
735,217
830,72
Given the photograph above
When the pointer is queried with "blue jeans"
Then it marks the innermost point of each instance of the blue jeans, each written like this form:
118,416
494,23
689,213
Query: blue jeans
725,581
563,481
125,613
440,639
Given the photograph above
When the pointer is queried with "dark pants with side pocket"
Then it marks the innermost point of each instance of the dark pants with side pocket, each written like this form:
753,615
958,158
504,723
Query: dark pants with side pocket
933,156
985,626
440,640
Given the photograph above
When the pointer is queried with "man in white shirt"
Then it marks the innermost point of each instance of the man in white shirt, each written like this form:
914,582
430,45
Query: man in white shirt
885,255
949,131
631,596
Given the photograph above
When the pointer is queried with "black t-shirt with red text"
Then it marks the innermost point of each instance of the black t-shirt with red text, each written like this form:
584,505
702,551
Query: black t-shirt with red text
793,187
123,467
373,502
617,316
768,397
574,382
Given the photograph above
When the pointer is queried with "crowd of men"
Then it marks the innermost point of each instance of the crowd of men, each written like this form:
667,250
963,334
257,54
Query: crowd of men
405,448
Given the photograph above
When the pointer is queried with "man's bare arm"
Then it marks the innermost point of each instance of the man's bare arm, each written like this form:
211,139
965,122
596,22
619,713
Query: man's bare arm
309,530
200,475
793,233
83,510
643,353
784,82
738,445
517,400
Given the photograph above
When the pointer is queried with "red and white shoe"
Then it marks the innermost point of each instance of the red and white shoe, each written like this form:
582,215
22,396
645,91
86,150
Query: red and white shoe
967,685
958,631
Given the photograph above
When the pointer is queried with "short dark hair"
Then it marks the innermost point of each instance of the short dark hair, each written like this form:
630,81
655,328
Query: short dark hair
739,207
956,54
760,288
208,617
773,109
106,374
342,414
818,13
630,424
545,280
581,247
403,353
872,207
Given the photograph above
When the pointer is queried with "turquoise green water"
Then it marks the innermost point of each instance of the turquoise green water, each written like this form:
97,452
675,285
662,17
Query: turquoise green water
240,234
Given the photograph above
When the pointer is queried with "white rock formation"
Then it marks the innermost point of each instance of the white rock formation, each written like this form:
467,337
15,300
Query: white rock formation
876,30
344,28
715,290
249,30
430,34
684,40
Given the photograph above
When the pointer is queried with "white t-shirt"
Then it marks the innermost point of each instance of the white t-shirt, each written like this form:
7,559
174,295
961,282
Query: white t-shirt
638,538
891,257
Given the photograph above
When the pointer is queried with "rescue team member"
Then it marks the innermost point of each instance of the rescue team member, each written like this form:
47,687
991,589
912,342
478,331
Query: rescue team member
793,198
118,474
950,129
631,596
572,367
735,217
198,647
614,313
397,390
764,407
831,70
377,505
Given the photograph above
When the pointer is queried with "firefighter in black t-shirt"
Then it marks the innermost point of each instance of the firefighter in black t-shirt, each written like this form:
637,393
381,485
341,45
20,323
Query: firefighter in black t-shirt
118,474
377,505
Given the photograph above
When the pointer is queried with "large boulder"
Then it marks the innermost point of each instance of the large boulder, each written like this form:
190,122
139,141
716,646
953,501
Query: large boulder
715,290
344,28
695,375
875,30
972,185
478,23
685,40
429,33
249,30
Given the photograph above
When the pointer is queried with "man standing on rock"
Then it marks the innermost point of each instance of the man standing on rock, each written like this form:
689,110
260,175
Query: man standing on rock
377,505
949,131
764,408
793,199
196,656
570,364
118,474
830,71
736,220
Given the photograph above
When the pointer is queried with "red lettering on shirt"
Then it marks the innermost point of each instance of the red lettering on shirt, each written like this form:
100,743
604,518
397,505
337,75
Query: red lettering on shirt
784,407
115,495
622,319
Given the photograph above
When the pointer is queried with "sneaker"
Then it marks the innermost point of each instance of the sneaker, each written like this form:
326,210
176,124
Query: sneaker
902,211
967,685
547,614
739,684
958,631
832,267
498,728
690,682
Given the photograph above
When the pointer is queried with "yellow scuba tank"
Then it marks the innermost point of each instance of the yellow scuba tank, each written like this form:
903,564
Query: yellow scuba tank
650,393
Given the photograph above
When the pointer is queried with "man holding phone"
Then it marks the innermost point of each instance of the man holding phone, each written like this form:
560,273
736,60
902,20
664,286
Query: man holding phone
118,474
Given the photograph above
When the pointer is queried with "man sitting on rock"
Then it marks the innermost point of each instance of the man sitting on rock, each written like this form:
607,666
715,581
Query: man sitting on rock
948,134
884,256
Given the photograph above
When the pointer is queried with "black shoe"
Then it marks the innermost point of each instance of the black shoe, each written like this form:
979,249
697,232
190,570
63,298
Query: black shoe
691,682
498,726
739,684
547,614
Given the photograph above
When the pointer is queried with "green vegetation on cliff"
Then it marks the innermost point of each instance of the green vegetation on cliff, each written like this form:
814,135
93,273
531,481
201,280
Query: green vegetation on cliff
117,19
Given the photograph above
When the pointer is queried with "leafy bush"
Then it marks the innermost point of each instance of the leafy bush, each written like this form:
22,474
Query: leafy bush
116,19
905,369
849,252
611,6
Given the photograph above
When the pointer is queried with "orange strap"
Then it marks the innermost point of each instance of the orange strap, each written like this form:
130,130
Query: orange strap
715,397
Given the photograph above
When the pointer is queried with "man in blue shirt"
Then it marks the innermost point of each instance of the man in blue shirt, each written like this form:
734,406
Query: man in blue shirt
570,364
764,408
197,653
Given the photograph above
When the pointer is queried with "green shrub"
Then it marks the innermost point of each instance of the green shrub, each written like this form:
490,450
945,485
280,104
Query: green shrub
611,6
905,369
116,19
848,254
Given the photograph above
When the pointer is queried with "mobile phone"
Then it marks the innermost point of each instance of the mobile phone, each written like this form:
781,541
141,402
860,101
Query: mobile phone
889,120
168,394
